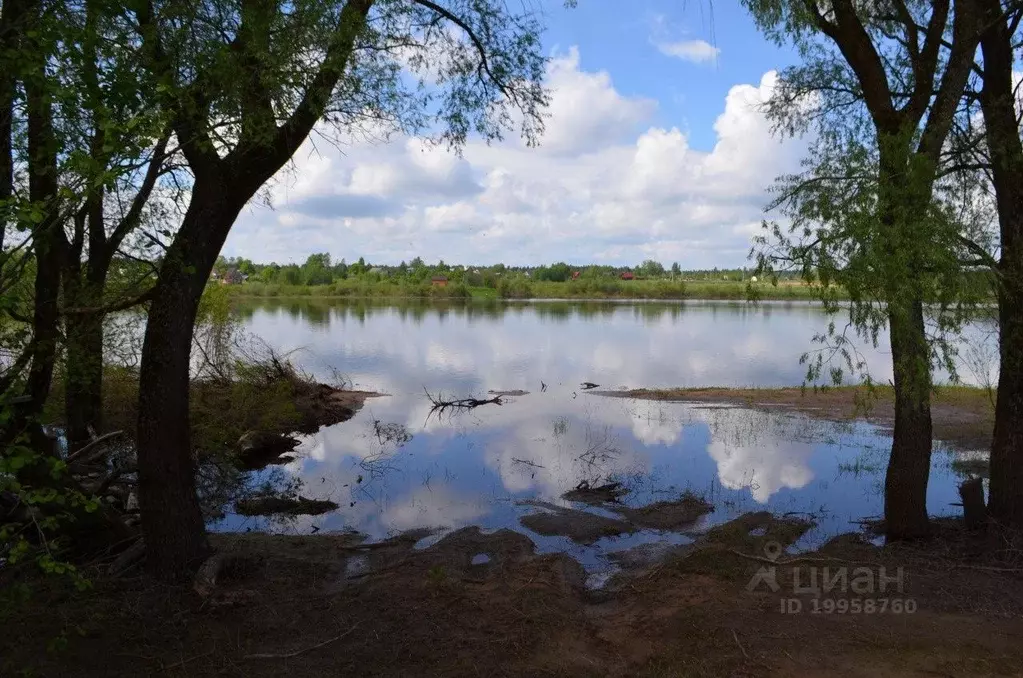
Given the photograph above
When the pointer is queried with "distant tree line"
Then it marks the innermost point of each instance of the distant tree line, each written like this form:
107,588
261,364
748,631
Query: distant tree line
322,269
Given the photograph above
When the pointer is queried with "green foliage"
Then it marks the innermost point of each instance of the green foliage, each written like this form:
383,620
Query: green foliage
514,287
38,506
650,269
872,220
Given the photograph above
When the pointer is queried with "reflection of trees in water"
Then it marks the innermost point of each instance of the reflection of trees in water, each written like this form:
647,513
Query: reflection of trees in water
220,484
320,312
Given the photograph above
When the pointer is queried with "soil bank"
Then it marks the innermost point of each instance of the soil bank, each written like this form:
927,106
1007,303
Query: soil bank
332,605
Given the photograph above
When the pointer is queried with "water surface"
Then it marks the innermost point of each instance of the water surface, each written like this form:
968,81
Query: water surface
397,466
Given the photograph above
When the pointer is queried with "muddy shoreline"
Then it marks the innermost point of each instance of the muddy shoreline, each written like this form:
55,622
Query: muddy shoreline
487,603
963,416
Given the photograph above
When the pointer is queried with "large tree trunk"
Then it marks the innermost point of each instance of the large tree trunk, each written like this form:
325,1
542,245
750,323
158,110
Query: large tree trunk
8,83
1006,494
48,236
905,496
1003,141
83,395
171,518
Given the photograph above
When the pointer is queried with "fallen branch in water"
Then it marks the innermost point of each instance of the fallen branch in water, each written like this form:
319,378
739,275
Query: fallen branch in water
289,655
527,463
461,403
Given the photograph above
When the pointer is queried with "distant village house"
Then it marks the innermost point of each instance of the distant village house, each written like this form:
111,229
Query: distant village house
628,276
231,277
439,281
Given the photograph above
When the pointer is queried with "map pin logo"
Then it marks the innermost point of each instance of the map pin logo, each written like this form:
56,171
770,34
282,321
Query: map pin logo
772,550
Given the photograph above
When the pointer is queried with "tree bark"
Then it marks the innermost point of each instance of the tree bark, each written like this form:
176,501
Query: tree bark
8,82
48,235
1003,142
971,492
83,395
171,518
905,496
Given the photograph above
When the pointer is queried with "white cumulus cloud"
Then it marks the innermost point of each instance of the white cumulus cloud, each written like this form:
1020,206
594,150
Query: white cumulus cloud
607,185
697,51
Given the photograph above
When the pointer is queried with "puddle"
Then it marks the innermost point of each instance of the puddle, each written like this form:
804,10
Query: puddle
428,541
356,566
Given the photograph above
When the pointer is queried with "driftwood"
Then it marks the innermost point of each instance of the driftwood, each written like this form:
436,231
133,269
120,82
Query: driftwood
527,462
461,403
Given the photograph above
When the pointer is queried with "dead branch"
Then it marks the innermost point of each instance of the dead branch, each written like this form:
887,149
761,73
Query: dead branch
289,655
527,463
103,438
461,403
113,477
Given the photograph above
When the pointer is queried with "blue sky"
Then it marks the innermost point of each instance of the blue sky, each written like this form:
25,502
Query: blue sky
689,94
656,148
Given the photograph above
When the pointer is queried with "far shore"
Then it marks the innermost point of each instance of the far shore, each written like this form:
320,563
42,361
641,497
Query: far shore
577,290
963,416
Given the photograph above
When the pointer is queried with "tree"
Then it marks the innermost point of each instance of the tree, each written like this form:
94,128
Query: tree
1004,163
882,89
87,126
650,269
316,270
242,98
676,270
121,146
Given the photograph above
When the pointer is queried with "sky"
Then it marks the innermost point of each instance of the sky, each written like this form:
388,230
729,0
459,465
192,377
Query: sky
655,149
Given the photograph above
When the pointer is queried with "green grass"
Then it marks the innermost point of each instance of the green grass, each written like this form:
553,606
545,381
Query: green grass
483,293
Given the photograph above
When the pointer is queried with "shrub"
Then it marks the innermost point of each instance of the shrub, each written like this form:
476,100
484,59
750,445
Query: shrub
514,288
